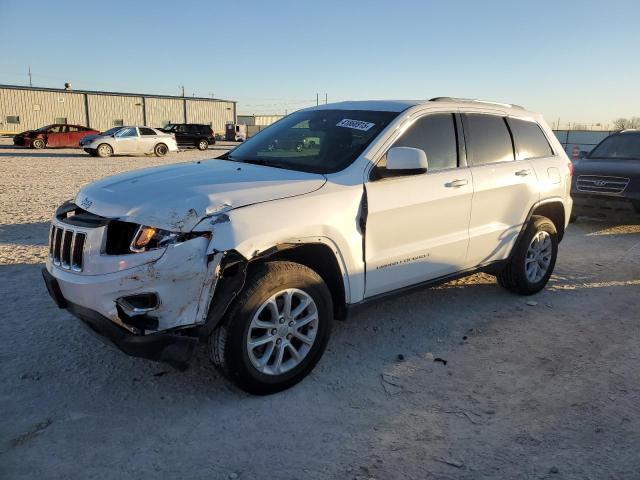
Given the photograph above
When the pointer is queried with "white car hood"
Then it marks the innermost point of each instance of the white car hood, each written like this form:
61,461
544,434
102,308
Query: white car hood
177,197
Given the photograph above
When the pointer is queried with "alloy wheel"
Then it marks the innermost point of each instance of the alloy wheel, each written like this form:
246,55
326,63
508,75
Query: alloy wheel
282,331
538,256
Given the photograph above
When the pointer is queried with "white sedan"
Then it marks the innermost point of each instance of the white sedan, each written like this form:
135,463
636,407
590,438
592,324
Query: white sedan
129,141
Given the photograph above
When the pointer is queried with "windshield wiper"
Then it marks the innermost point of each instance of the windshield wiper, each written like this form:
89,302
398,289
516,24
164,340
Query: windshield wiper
266,163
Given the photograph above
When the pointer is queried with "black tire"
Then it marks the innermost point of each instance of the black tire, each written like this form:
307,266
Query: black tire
227,344
514,276
38,143
104,150
202,144
572,218
160,150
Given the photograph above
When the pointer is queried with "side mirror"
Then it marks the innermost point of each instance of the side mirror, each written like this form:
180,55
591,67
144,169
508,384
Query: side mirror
407,158
582,154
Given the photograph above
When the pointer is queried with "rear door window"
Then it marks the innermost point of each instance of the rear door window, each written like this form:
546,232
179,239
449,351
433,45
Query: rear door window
529,138
147,131
488,139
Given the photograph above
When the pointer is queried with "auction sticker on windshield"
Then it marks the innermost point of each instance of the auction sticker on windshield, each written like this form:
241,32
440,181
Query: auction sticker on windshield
355,124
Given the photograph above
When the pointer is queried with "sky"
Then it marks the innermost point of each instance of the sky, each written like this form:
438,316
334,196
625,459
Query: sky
576,61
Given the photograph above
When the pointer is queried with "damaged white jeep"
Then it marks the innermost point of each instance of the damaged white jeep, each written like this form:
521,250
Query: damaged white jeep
256,252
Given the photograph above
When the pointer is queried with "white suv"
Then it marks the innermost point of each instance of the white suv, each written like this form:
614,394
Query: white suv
257,252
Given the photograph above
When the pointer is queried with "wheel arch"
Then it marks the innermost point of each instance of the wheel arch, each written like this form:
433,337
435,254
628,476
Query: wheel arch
554,210
234,268
320,258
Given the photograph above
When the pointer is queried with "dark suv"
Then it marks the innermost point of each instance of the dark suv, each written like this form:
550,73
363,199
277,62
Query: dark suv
607,180
191,134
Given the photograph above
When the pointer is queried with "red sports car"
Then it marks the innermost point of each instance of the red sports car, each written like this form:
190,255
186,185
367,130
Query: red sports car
57,135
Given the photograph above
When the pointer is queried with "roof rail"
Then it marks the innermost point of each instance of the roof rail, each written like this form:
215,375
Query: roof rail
453,99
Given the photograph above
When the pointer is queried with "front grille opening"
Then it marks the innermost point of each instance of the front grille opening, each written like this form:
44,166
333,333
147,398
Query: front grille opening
65,254
119,237
66,248
77,251
57,241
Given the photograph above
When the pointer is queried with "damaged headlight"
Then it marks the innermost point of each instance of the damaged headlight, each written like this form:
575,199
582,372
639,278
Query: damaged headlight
148,238
125,237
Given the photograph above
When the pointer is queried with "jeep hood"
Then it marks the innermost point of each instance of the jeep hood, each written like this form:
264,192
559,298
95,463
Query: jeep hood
177,197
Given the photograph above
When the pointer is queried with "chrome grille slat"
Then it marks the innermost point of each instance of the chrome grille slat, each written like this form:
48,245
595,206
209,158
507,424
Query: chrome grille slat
601,184
66,248
57,238
77,252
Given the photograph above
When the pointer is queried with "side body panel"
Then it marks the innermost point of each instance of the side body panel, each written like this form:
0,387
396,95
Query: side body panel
503,194
417,228
329,216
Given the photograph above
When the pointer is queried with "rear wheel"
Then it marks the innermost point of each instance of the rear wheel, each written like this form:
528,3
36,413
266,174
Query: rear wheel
160,150
276,330
202,144
38,143
533,260
104,150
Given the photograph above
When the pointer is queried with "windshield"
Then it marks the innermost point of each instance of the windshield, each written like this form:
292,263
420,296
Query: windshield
621,146
319,141
112,131
44,129
169,127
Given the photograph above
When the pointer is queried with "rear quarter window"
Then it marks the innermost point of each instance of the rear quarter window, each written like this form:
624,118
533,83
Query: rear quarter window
529,138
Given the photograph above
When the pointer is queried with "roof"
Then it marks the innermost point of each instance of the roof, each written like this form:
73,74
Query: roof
400,105
120,94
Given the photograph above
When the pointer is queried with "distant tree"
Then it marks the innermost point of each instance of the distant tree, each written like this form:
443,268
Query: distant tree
624,123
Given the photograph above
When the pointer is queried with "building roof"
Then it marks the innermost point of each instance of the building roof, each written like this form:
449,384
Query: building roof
121,94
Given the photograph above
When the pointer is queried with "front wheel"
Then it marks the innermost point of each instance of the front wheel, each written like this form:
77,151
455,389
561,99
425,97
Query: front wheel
276,330
104,150
532,262
160,150
202,144
38,143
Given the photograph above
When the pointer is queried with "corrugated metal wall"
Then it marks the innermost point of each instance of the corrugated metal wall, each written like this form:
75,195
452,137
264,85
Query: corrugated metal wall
263,120
105,110
215,113
39,108
161,111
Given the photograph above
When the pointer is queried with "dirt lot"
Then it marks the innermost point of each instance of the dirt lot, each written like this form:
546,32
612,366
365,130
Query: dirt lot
541,387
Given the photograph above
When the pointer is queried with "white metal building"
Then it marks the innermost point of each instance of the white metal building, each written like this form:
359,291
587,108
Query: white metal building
26,108
261,120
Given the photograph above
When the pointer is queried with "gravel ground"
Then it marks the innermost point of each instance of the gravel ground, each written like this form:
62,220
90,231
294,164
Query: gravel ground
539,387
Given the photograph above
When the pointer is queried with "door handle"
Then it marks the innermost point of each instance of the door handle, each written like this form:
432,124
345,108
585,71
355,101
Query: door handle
523,173
456,183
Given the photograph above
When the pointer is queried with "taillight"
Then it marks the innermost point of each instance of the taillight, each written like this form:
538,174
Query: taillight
570,165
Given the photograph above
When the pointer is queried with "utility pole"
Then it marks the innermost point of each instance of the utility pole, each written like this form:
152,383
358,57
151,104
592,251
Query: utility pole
212,95
326,99
317,99
30,84
182,87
